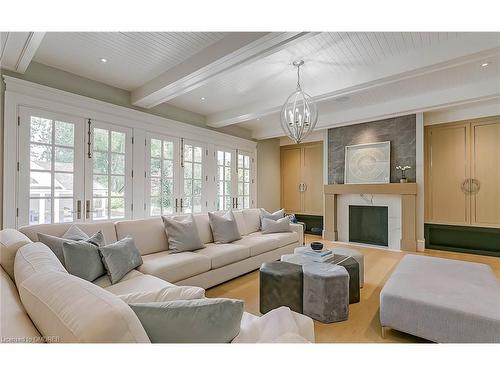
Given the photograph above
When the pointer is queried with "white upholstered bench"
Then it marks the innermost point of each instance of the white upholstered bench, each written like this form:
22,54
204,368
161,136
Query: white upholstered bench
442,300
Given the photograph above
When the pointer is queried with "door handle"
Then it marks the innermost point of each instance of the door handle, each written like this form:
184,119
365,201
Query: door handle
304,188
78,209
87,209
475,185
236,201
182,207
300,187
176,204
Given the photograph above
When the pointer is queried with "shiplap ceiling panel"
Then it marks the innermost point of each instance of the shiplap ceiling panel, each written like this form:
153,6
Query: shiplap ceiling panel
459,76
133,58
328,56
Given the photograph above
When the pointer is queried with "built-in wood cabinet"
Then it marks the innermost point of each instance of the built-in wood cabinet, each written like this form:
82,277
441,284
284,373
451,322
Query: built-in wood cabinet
462,173
302,178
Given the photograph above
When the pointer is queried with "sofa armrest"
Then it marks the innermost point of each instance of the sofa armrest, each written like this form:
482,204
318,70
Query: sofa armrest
299,229
11,240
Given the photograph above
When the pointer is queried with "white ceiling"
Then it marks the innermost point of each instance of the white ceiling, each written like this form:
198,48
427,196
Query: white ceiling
133,58
247,76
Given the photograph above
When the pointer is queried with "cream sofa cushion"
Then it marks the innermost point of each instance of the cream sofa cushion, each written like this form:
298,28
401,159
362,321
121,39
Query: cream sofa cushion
174,267
258,244
171,293
139,284
35,257
10,241
58,230
225,253
240,221
252,219
71,309
15,324
148,234
283,239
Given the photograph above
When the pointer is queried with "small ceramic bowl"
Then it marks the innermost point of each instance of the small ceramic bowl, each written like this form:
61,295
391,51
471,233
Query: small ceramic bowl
316,246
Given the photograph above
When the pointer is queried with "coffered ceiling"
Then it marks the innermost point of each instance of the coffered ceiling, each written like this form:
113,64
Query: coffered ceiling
243,78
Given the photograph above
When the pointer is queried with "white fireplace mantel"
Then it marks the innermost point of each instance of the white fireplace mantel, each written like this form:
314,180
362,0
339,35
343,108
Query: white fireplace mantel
407,191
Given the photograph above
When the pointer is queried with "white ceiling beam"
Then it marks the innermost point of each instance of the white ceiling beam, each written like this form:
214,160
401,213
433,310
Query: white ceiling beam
418,62
231,52
429,101
18,49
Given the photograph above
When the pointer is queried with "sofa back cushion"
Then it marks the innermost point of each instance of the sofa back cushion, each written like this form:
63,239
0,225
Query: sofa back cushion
10,241
69,309
252,219
58,230
148,234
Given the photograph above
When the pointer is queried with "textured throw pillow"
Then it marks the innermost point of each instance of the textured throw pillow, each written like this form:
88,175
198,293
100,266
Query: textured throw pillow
273,216
275,226
224,227
120,258
72,234
207,320
182,234
83,260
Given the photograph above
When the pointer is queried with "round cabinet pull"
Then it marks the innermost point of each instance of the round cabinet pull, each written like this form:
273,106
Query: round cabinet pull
475,185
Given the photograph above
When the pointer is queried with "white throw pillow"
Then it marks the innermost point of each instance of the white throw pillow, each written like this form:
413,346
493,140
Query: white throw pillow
275,226
273,216
224,227
182,234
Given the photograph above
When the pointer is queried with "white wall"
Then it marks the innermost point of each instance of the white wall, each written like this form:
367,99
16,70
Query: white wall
269,174
419,172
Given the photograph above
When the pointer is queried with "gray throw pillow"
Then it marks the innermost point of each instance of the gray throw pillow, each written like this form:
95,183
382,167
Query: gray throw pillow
182,234
207,320
273,216
120,258
275,226
224,227
83,260
72,234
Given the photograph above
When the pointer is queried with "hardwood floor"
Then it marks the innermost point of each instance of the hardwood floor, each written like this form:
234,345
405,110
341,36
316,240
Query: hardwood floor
363,325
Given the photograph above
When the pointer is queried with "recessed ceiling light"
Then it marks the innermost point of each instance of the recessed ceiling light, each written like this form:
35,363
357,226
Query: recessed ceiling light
103,60
258,119
202,98
484,65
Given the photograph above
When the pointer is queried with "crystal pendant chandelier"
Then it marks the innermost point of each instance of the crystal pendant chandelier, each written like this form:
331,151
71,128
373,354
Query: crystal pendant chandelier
299,114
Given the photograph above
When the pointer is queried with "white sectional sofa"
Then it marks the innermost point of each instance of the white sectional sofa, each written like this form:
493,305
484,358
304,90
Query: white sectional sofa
206,267
41,300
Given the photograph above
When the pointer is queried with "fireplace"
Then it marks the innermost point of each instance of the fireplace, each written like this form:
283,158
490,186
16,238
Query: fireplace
369,225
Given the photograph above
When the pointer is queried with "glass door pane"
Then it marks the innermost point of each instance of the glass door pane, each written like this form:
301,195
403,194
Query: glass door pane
243,199
193,177
109,172
51,167
225,179
162,159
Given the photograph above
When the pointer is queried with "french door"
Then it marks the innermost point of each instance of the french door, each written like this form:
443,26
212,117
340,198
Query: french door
70,170
108,172
176,175
51,173
234,179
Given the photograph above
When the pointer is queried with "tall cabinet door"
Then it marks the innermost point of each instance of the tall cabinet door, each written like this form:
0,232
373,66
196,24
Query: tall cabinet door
447,172
312,175
485,173
291,179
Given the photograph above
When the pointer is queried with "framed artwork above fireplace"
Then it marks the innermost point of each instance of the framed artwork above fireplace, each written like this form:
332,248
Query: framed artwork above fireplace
368,163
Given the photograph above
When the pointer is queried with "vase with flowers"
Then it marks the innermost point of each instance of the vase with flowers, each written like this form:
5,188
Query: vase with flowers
403,170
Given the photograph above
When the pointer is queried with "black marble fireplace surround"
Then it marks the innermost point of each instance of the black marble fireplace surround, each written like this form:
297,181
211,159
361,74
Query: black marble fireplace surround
369,225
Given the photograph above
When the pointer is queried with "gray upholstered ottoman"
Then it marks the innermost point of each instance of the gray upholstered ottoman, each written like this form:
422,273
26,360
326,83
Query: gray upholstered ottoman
326,292
281,284
442,300
359,257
